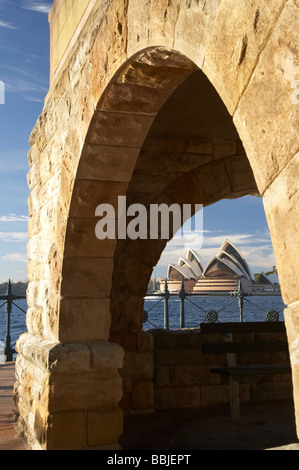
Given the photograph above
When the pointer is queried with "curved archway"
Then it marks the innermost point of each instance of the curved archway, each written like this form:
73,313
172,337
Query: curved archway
108,139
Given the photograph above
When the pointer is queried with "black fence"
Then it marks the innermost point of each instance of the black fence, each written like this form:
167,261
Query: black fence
9,300
210,315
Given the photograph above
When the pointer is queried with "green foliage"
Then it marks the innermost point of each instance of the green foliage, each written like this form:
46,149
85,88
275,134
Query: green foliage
18,288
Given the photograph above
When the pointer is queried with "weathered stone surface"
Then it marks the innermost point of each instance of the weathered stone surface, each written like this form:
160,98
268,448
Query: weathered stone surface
108,52
84,390
84,319
66,431
88,194
291,315
120,129
238,34
240,174
106,355
102,162
281,202
90,277
269,128
104,426
82,241
194,40
138,366
213,181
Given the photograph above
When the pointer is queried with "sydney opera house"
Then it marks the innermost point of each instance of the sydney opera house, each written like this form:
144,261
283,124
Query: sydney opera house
222,274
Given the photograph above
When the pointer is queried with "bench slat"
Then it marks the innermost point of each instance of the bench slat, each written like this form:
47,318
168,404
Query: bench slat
239,327
244,347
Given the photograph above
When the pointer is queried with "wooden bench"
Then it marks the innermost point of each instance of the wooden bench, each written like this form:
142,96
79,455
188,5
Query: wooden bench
250,337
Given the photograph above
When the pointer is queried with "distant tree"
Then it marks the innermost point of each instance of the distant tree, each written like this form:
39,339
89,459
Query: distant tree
18,288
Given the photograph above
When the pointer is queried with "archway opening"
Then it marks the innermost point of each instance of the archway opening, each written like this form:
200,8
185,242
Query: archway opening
160,135
192,154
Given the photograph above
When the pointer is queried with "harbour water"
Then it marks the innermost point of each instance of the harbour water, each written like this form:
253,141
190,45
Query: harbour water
227,309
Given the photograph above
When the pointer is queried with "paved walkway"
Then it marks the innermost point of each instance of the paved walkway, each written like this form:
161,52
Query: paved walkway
269,426
9,438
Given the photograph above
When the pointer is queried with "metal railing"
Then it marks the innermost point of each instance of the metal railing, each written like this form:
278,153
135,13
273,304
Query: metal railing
210,316
9,299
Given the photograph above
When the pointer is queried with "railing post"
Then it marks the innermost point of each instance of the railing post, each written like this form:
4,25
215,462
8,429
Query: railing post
240,295
9,298
166,315
182,295
8,351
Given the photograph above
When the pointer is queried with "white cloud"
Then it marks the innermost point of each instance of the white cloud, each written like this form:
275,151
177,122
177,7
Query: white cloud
31,98
13,236
20,257
6,25
17,85
14,218
37,6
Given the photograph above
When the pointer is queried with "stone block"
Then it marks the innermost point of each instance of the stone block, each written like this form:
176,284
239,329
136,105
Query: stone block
237,36
87,277
84,319
120,129
142,395
148,74
88,194
105,355
104,426
213,181
176,162
269,128
145,342
83,390
223,148
166,143
138,26
81,240
199,146
162,377
185,191
108,49
240,174
66,431
291,315
107,163
193,27
126,310
138,366
281,202
133,98
186,375
69,357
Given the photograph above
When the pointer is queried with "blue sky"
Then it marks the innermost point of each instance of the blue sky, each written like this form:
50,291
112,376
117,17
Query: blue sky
24,70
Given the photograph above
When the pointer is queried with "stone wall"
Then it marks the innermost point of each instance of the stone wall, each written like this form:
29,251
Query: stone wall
165,370
183,378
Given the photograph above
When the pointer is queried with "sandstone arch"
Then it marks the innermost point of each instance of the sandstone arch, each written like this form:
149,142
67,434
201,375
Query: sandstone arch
126,60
